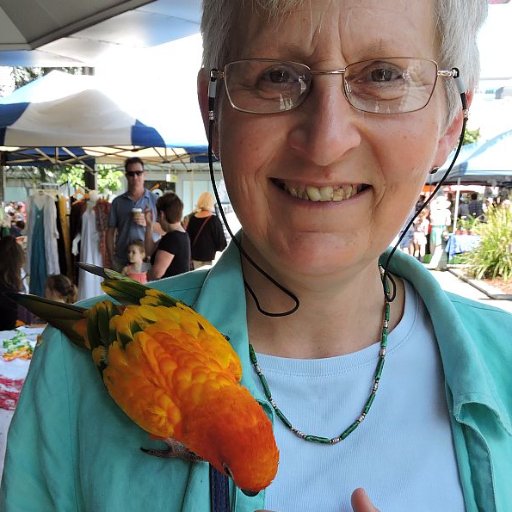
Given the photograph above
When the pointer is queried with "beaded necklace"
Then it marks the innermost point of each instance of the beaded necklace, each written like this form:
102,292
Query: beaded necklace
369,401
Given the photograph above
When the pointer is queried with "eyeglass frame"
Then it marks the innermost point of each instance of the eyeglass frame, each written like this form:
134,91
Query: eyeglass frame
217,74
132,174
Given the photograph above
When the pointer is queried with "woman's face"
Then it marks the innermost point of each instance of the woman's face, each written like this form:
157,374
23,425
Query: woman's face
326,143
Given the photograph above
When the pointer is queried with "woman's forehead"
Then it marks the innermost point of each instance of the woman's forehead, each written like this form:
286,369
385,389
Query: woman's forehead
359,28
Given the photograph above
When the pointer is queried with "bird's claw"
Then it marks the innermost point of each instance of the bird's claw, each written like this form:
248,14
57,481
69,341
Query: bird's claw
174,450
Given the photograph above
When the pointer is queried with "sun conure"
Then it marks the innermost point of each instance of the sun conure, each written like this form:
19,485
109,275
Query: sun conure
173,374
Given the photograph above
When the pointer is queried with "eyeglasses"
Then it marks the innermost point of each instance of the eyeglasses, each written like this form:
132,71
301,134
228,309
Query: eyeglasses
131,174
379,86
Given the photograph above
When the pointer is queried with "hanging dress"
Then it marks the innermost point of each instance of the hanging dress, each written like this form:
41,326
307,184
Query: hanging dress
42,235
89,285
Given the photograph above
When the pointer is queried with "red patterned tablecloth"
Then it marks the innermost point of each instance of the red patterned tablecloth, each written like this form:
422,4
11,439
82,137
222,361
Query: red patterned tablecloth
9,392
13,373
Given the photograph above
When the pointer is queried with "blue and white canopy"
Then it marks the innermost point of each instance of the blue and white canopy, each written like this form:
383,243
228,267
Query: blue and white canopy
485,162
72,118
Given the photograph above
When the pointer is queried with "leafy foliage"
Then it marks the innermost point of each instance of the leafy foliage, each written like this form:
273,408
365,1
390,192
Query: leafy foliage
471,136
493,257
22,76
109,179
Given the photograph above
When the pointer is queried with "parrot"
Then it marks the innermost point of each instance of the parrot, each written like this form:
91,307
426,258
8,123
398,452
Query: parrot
172,373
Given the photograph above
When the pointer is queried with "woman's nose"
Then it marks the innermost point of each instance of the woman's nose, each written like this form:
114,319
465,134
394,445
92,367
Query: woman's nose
326,125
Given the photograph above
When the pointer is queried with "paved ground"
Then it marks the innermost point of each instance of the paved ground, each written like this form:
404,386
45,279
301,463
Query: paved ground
453,284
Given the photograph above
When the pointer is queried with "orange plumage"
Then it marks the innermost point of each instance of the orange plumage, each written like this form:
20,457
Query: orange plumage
175,375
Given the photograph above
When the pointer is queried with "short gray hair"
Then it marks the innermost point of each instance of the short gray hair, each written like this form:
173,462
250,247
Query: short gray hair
458,22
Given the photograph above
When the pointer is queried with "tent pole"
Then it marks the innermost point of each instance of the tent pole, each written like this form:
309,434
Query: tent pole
3,182
456,209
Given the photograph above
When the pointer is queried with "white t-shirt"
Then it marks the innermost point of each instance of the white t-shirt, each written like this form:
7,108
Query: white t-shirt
402,454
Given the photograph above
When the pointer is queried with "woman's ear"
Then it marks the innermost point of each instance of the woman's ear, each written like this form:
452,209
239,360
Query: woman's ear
450,138
203,80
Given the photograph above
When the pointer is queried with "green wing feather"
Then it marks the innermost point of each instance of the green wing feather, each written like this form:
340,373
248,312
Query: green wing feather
122,289
60,315
127,291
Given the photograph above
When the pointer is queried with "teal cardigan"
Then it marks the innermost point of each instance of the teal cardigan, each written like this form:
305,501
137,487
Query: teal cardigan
70,448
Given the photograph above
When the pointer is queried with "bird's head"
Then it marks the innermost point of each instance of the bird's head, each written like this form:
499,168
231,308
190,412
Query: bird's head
236,438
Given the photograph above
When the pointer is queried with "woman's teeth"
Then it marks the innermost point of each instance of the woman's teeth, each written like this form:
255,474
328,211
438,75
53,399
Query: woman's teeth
310,193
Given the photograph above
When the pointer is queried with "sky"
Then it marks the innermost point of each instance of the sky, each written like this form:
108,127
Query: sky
495,42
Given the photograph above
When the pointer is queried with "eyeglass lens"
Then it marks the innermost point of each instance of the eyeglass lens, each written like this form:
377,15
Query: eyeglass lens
131,174
381,86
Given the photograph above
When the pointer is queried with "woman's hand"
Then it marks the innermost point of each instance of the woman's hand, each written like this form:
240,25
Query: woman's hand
361,502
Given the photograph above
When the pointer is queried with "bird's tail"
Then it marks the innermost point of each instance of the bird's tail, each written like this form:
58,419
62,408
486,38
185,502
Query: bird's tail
70,319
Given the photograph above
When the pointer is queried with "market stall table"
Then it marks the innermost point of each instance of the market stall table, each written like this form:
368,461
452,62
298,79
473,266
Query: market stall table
458,244
12,376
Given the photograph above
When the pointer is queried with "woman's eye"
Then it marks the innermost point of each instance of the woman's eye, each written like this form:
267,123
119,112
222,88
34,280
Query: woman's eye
281,75
385,74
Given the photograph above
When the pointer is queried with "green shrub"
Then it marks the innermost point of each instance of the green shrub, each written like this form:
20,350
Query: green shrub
493,257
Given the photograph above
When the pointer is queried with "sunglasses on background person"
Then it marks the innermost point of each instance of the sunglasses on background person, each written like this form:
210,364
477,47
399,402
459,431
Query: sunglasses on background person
131,174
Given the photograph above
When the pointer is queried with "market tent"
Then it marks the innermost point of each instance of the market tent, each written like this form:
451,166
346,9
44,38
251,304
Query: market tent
486,162
73,118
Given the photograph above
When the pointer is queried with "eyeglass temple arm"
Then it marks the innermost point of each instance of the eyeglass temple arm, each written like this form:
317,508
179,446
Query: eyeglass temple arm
461,87
212,92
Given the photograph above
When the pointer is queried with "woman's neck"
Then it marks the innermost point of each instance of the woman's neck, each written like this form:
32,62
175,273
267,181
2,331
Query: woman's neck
176,226
353,306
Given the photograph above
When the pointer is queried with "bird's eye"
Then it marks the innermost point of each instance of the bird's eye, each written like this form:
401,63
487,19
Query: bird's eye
227,470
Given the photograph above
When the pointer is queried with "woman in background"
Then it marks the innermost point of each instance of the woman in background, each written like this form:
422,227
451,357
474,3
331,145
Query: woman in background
205,231
13,259
171,255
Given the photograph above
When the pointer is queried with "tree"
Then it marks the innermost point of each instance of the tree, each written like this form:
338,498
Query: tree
109,179
22,76
471,136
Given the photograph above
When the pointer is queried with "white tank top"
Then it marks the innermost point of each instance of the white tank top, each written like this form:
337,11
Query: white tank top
402,454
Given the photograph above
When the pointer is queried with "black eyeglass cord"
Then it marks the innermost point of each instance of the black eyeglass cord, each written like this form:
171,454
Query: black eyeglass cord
386,277
243,252
391,291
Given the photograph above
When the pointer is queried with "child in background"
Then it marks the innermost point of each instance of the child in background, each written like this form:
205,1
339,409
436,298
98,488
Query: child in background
137,268
60,288
421,225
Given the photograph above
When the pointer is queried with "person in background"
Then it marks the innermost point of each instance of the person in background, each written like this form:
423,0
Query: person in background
475,206
384,391
440,220
205,231
463,212
419,238
170,256
124,224
17,228
137,267
60,288
13,259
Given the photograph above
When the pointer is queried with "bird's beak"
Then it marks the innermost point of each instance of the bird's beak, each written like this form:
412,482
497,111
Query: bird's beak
251,494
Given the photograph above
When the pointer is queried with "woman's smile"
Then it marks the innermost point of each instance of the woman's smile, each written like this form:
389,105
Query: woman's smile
326,193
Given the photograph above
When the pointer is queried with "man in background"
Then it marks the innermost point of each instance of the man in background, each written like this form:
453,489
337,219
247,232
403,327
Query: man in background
126,222
475,206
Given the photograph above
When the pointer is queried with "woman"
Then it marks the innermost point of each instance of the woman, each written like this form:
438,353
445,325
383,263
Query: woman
13,259
205,231
170,256
322,171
